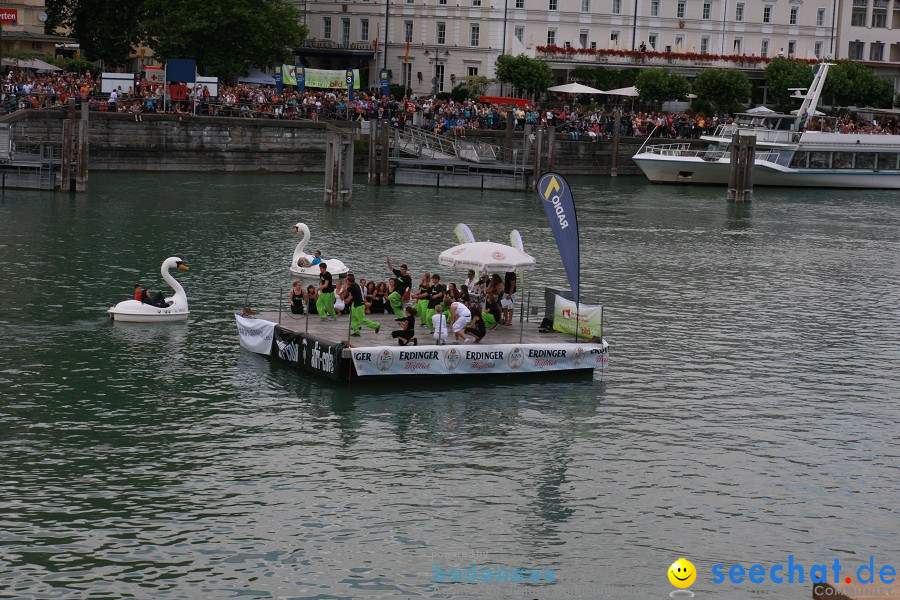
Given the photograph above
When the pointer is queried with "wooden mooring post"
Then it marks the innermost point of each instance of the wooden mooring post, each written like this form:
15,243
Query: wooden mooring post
740,180
385,131
508,138
372,175
81,158
617,127
338,168
73,167
538,153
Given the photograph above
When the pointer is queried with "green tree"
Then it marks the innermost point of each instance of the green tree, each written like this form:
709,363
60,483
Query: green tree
105,29
724,89
783,73
661,85
474,85
852,84
226,37
528,75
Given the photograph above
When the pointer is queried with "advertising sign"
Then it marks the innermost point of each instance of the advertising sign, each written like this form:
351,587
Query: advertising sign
384,78
349,80
301,78
590,318
279,81
289,74
256,334
332,79
555,195
9,16
496,358
308,352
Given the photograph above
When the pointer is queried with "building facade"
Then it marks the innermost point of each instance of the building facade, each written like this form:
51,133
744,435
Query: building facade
22,31
429,45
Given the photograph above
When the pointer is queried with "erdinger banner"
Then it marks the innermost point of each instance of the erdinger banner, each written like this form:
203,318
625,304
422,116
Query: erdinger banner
559,205
474,359
590,318
308,352
256,334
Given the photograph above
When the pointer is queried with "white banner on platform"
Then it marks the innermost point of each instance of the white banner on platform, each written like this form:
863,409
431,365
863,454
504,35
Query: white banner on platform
467,358
590,318
256,334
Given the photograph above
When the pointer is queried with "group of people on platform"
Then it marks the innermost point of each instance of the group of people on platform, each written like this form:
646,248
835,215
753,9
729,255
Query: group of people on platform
464,312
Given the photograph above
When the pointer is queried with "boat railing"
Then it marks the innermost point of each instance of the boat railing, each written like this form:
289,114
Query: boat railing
770,136
685,151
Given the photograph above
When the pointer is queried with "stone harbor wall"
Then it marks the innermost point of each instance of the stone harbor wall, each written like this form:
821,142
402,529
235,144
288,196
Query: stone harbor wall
217,144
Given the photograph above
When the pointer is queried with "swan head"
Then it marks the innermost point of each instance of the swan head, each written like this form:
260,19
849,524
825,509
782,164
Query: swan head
174,262
300,228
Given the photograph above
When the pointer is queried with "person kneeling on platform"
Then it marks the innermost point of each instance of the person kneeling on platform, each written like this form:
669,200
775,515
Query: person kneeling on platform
406,334
459,318
476,328
439,325
358,308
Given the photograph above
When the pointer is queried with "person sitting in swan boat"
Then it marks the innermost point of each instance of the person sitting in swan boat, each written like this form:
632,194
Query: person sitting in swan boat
141,295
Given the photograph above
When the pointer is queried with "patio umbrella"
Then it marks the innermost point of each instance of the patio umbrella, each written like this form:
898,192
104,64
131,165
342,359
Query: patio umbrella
486,256
631,92
760,110
575,88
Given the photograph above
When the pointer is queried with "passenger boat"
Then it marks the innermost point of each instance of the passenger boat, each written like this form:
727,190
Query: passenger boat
786,154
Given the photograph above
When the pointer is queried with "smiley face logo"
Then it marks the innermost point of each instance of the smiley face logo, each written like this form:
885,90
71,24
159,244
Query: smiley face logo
682,573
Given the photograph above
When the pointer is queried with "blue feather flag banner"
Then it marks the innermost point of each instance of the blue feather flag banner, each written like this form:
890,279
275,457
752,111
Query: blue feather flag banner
555,195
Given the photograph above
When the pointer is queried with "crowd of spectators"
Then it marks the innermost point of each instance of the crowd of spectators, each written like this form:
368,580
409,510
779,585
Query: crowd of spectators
25,90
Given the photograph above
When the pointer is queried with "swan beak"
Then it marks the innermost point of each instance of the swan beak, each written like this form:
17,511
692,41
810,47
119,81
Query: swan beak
183,267
294,230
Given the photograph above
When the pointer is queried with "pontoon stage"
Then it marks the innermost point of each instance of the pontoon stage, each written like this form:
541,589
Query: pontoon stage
326,349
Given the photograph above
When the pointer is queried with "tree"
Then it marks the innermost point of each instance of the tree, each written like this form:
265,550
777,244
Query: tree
852,84
783,73
724,89
105,29
474,85
528,75
661,85
226,37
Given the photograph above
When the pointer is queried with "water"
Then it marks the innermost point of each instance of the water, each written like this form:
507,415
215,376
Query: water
749,413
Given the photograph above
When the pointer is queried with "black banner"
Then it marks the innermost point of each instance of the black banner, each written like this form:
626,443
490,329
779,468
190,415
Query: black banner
308,352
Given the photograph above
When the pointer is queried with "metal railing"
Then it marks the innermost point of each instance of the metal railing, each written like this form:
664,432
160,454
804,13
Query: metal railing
771,136
420,143
685,151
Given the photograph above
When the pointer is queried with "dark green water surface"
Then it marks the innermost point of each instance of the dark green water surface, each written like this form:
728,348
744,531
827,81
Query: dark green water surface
750,409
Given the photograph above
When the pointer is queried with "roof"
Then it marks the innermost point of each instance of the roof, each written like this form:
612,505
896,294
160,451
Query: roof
37,37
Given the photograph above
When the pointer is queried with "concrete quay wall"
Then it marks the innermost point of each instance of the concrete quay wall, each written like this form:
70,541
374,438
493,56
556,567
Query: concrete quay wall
216,144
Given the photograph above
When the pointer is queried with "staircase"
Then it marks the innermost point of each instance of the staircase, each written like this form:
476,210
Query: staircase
417,142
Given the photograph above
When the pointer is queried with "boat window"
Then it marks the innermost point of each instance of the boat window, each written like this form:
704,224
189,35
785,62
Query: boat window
800,160
842,160
820,160
865,160
887,161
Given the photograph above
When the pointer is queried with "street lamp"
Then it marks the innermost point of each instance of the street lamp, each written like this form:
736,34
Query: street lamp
435,60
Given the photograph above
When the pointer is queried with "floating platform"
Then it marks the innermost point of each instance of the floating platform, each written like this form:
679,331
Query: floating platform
327,349
456,173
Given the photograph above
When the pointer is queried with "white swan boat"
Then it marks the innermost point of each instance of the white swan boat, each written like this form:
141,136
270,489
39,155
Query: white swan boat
310,270
135,311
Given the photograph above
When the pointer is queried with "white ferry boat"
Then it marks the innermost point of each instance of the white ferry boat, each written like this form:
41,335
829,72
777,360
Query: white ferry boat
786,155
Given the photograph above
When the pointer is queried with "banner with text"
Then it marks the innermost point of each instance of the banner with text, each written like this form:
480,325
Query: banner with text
556,196
590,318
495,358
256,334
308,352
332,79
289,74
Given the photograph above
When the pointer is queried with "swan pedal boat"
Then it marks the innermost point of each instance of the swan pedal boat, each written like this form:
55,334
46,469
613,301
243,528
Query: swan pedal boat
336,267
135,311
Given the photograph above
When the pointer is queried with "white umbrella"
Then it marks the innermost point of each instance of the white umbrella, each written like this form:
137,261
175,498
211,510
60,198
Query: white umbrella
760,110
575,88
631,92
486,256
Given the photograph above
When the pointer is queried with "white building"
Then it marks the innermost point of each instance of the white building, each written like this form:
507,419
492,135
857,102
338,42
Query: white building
447,39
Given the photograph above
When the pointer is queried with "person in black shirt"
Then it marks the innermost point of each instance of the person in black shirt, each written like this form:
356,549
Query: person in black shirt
311,298
406,334
476,327
358,308
297,298
325,303
435,297
401,287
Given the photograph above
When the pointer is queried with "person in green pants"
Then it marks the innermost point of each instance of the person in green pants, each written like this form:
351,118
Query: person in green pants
401,286
325,302
358,308
422,296
435,296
